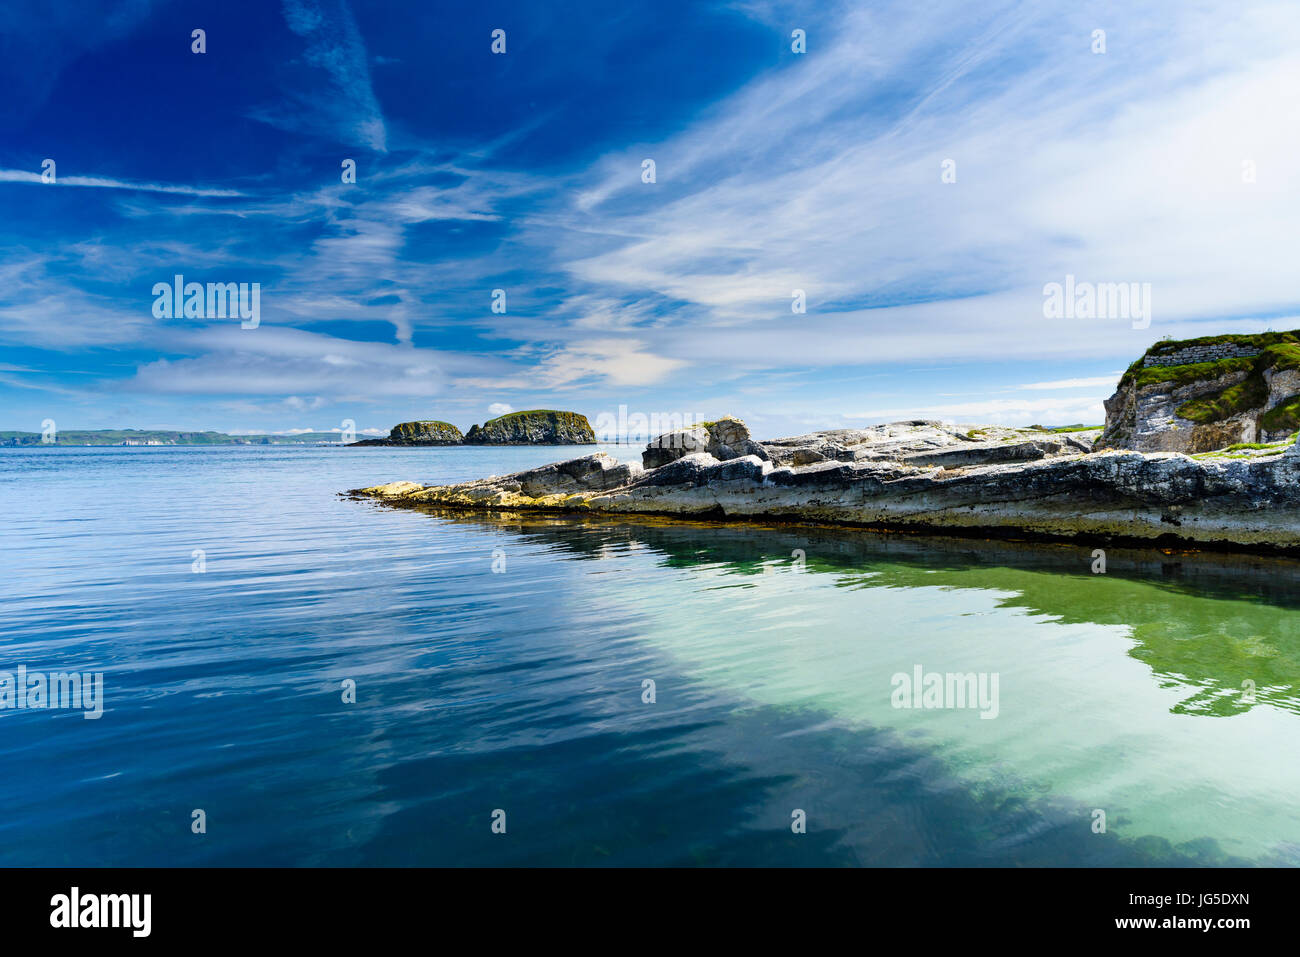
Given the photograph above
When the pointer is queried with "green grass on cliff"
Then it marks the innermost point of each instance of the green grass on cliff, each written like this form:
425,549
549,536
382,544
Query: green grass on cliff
1182,375
1285,355
1243,450
1242,397
1284,415
509,416
1261,340
1278,351
494,431
419,430
426,425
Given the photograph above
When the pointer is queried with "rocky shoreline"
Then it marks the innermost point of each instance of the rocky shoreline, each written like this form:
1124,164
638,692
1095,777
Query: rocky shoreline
920,476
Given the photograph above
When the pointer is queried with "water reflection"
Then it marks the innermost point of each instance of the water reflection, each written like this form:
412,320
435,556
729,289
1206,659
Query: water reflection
1107,679
1206,622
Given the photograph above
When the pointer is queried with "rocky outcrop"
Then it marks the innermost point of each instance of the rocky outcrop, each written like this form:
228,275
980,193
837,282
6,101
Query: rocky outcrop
423,432
517,428
1207,394
1047,490
549,487
727,438
538,427
927,442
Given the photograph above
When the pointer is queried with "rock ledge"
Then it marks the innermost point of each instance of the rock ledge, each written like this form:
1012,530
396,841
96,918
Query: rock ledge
922,476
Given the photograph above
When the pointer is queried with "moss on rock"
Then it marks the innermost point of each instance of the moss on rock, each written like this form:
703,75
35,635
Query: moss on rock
426,432
1194,395
1284,415
1234,400
534,427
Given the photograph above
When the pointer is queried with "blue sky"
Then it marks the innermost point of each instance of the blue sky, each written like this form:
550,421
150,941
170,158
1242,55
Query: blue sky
775,171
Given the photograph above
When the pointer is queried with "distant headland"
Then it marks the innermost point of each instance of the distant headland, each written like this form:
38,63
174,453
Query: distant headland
535,427
162,437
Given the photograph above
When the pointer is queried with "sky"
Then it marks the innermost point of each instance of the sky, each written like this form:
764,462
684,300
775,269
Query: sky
921,172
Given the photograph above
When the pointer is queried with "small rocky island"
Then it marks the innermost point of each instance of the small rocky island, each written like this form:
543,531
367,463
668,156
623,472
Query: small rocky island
1094,485
536,427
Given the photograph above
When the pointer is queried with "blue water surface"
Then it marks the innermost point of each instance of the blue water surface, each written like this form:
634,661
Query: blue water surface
521,694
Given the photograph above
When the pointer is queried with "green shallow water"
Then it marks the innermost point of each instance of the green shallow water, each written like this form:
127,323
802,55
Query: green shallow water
1164,692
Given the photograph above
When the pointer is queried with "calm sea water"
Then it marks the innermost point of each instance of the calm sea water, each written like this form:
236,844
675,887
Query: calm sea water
772,652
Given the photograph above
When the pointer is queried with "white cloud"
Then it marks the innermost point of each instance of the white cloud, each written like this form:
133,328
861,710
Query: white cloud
300,404
611,362
101,182
500,408
334,44
1002,411
1060,384
1115,168
270,361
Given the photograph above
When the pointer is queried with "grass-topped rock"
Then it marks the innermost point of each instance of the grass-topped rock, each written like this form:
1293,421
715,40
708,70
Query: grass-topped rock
426,432
1198,395
538,427
535,427
420,432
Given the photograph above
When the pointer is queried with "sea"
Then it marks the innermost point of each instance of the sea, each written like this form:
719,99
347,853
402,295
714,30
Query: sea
291,676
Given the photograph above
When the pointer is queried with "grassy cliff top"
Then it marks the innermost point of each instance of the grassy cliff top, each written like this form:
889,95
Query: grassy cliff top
513,416
1278,350
1247,390
1257,340
430,422
533,426
426,430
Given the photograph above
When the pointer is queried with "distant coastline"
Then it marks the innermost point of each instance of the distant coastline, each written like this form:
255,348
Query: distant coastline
162,437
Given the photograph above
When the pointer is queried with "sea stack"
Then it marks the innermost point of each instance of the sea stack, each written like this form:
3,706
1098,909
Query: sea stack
422,432
536,427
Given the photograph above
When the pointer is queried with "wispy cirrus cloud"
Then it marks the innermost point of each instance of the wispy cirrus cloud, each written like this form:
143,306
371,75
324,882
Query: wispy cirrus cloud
818,171
1056,411
1125,166
289,363
1092,382
101,182
332,44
